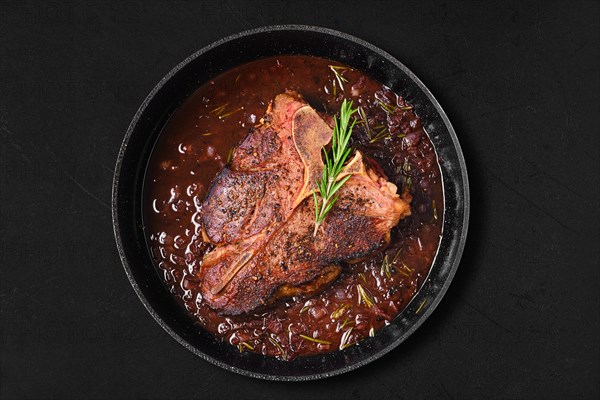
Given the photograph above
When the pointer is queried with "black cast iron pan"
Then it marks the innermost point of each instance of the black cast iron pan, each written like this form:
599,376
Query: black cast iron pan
181,82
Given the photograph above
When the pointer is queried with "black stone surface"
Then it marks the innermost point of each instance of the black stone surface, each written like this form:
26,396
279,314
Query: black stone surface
519,82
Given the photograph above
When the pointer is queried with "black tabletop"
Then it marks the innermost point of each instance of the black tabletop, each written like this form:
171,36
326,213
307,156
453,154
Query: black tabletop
520,83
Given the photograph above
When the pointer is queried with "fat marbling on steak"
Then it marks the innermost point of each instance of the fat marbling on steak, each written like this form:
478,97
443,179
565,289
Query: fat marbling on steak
259,213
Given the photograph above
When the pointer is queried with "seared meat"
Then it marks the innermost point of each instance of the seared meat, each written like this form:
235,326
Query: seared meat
258,214
267,176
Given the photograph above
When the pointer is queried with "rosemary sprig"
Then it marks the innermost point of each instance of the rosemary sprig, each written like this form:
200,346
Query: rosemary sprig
376,133
391,109
363,120
421,306
387,265
404,269
219,110
338,71
312,339
343,325
362,276
223,116
329,185
339,311
345,341
306,307
382,133
241,346
406,169
364,296
275,343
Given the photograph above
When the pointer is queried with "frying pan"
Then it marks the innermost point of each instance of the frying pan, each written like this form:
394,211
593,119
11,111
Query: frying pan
173,90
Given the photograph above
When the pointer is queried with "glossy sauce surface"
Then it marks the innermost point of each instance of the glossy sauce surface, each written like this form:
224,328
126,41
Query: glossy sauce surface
197,142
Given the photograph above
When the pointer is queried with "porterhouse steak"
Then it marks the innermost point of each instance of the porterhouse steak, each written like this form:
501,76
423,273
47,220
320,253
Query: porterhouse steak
259,213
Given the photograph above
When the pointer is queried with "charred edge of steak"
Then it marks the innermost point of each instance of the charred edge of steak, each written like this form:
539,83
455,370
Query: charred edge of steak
306,289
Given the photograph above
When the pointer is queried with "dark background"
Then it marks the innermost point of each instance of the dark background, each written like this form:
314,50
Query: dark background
518,81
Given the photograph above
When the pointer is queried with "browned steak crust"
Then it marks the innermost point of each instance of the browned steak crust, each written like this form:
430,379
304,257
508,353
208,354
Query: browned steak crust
260,214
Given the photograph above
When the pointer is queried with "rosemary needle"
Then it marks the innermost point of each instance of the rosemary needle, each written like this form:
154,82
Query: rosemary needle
334,163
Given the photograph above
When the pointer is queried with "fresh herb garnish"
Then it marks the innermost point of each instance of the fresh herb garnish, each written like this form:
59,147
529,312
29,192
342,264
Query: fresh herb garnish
364,296
362,276
381,133
345,341
421,306
220,111
241,346
339,311
334,163
311,339
404,269
306,307
338,71
391,109
343,325
406,169
276,343
376,133
223,116
387,265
